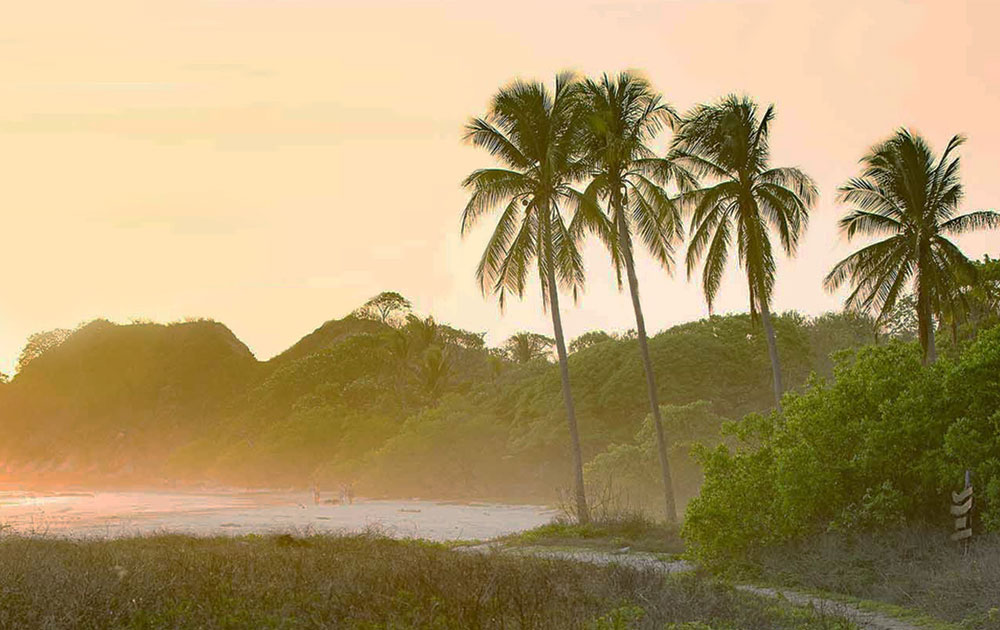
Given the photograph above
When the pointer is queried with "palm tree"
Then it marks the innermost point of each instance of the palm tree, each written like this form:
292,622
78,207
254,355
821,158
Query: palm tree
728,142
524,347
622,116
531,131
903,193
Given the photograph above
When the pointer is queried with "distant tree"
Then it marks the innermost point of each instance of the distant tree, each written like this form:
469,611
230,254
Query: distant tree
422,332
397,342
901,321
975,302
4,378
524,347
728,143
589,339
623,116
388,307
831,332
984,294
532,132
462,338
495,364
433,369
39,343
906,195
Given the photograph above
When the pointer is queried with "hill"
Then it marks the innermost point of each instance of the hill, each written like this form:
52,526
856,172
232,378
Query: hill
411,408
111,400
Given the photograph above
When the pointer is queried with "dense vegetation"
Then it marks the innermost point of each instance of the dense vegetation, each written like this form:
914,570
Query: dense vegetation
881,445
405,408
599,133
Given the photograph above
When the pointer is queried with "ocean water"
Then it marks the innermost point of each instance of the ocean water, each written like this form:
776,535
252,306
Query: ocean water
112,514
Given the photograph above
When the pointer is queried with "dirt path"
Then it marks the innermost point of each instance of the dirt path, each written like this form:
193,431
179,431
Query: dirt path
863,618
640,560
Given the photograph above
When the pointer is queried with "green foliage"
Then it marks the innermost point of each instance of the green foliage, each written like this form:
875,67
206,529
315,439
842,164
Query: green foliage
524,347
330,333
975,304
881,445
606,532
452,449
630,472
117,399
419,409
589,339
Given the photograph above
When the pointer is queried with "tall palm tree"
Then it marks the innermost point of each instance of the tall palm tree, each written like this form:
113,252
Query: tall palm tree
531,131
728,142
903,193
623,115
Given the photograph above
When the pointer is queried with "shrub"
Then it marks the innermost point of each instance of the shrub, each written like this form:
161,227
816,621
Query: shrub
881,445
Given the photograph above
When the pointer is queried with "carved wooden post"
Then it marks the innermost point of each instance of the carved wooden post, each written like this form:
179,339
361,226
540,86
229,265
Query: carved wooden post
961,507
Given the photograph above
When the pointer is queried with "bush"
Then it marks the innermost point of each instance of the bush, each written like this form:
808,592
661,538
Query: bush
880,446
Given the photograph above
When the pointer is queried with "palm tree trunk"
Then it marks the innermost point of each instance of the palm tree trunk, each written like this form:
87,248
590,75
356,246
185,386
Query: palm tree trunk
931,342
582,511
647,363
772,351
925,324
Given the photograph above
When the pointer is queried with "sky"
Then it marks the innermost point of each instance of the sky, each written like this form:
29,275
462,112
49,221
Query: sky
273,163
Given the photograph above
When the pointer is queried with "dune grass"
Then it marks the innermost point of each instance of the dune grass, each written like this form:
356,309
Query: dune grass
915,568
359,581
632,531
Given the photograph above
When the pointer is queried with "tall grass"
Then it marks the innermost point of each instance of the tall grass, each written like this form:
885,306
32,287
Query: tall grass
634,531
364,581
916,568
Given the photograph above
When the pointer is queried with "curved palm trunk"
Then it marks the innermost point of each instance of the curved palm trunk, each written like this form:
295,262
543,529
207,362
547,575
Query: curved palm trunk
654,404
582,511
772,351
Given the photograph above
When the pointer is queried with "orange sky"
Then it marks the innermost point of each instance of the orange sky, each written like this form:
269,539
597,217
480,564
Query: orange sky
272,163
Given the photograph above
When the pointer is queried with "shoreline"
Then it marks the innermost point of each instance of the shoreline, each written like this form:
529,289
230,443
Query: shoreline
44,487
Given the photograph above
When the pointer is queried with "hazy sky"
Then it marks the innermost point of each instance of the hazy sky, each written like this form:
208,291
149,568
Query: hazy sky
272,163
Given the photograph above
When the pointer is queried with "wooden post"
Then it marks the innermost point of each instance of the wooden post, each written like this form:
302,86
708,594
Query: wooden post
961,508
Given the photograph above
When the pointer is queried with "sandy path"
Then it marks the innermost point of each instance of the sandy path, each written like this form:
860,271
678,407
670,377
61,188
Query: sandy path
640,560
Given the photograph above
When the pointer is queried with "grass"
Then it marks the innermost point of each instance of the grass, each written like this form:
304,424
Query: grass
916,569
608,534
360,582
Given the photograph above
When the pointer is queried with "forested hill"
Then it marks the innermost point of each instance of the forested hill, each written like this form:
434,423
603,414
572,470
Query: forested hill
394,405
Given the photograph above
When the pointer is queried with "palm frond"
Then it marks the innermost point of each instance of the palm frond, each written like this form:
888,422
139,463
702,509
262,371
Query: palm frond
481,133
978,220
869,223
491,188
715,263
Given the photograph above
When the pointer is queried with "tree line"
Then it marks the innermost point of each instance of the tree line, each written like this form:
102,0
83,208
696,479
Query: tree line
577,160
